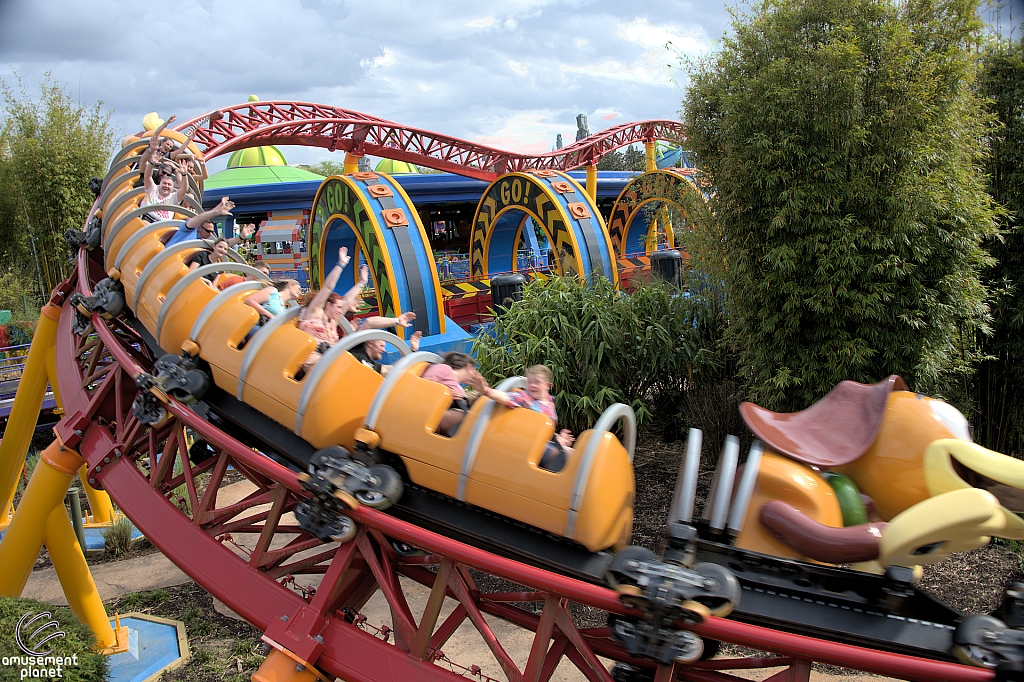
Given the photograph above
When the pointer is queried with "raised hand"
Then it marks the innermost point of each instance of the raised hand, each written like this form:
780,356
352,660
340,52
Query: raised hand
225,206
477,381
405,319
414,341
565,438
364,274
245,231
343,257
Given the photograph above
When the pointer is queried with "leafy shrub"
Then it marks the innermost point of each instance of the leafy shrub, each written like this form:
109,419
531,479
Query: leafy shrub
604,346
78,640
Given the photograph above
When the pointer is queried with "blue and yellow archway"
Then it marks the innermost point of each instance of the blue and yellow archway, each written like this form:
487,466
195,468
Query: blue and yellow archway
640,205
554,202
370,213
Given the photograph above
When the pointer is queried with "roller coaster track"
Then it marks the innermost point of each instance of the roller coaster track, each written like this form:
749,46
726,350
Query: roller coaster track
318,125
305,594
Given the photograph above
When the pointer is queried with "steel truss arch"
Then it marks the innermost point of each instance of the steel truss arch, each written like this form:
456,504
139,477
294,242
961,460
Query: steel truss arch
318,125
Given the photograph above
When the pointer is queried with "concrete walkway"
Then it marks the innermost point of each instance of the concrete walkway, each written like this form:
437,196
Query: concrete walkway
466,647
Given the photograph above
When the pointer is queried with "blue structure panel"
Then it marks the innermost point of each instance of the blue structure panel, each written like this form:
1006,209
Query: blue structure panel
151,648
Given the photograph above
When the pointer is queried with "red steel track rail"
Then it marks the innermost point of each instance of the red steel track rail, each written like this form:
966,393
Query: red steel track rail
318,125
305,595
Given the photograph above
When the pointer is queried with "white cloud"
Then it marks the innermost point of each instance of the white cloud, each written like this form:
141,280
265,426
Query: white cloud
662,46
526,132
382,59
385,58
638,72
644,33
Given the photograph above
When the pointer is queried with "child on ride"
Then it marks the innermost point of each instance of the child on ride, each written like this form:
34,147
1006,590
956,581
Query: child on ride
537,397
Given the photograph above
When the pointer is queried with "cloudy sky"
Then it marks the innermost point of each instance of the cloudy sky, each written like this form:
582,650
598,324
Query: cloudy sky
507,73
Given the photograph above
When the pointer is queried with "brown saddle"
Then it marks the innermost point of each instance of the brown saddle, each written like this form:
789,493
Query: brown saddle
834,431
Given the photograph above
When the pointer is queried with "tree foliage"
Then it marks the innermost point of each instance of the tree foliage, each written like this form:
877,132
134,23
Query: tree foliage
49,149
604,346
325,168
845,139
1000,420
631,158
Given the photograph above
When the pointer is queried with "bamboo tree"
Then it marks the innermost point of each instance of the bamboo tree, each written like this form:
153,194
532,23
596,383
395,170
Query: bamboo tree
846,141
999,423
49,148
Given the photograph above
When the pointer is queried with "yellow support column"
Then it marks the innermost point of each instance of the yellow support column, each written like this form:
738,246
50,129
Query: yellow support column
351,163
73,573
24,537
592,182
25,411
650,157
99,501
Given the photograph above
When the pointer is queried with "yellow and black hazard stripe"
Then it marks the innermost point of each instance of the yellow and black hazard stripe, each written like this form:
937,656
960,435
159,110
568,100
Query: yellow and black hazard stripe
465,289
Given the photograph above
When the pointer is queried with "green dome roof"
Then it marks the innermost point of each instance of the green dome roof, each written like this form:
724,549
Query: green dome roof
257,156
392,167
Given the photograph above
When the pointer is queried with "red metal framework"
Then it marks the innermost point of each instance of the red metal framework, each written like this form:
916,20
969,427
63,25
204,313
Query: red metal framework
306,595
317,125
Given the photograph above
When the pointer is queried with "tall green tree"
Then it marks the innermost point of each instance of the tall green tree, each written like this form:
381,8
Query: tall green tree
49,149
845,139
1000,420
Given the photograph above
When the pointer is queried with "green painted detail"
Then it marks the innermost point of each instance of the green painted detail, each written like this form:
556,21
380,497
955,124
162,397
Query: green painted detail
258,175
848,495
337,198
257,156
392,167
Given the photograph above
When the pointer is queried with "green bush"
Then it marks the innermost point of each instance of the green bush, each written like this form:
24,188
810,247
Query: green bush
604,346
844,138
78,640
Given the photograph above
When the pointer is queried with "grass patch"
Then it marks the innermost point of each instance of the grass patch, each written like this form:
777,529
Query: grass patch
78,640
139,601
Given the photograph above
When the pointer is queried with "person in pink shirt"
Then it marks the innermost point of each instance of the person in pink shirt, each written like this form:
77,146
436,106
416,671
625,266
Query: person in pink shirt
456,370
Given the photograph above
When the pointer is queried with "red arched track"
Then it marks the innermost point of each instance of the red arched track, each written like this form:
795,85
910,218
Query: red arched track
317,125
